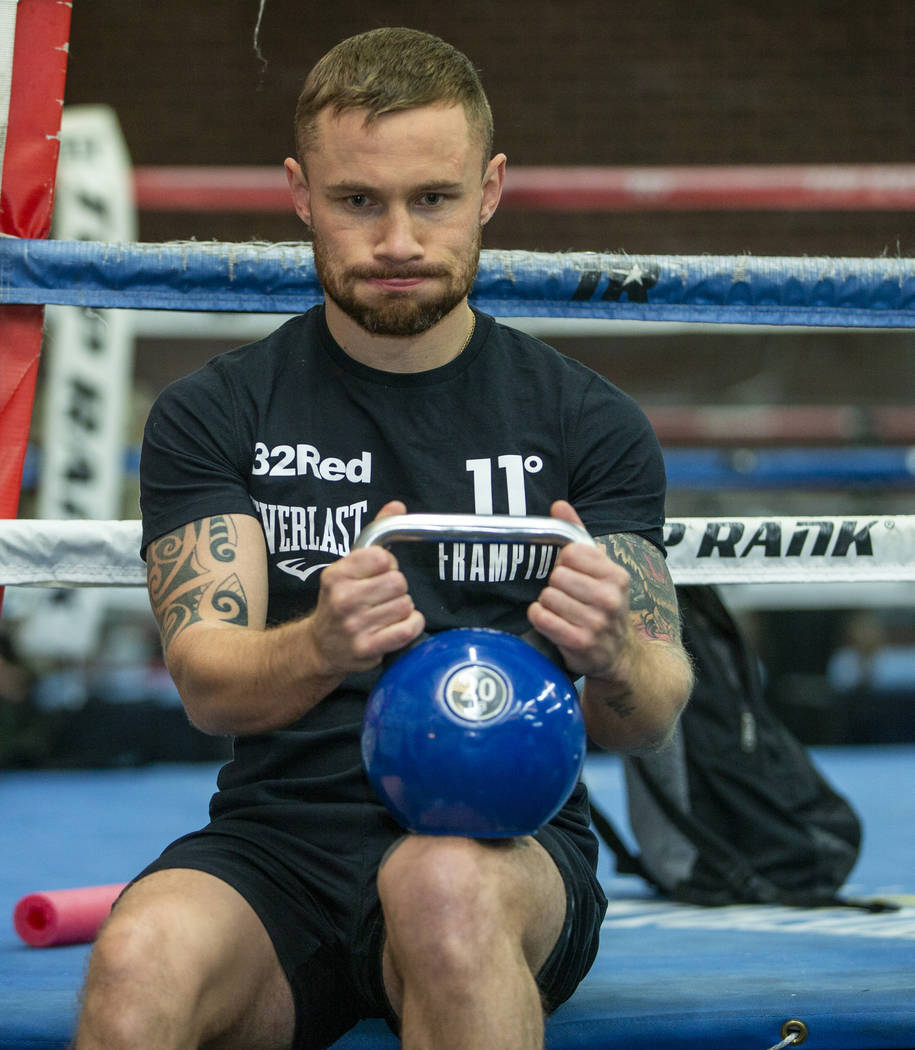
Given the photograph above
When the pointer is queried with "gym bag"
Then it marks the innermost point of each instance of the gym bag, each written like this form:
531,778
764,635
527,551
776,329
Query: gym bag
734,810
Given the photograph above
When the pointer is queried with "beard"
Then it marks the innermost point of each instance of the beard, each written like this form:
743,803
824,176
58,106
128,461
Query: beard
397,313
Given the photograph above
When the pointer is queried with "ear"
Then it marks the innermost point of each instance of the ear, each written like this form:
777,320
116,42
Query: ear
493,178
298,187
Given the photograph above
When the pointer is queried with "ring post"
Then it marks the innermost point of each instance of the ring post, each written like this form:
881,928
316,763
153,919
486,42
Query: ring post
32,78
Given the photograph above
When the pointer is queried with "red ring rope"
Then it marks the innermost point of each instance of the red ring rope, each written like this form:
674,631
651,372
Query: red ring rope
781,187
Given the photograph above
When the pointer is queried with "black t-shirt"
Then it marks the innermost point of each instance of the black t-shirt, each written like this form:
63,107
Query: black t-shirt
296,433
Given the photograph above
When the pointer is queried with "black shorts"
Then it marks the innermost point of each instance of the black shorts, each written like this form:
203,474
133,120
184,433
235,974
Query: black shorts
326,925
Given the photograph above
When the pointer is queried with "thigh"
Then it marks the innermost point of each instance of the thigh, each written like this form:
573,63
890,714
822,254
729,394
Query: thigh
320,922
192,939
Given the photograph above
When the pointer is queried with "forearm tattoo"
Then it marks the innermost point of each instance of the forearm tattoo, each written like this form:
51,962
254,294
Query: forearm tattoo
652,600
190,579
652,597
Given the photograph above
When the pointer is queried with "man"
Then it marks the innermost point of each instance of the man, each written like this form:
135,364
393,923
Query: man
302,906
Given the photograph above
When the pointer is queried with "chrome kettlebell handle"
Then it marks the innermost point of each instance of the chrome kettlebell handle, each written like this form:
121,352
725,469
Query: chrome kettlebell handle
491,528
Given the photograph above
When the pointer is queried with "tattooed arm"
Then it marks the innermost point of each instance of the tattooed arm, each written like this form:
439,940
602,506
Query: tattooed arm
197,575
612,611
208,589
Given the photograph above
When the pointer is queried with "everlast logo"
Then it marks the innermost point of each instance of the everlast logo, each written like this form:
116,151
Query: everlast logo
283,461
727,539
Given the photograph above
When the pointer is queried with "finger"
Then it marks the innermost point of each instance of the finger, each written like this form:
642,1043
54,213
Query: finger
604,588
394,506
590,561
568,637
564,510
371,646
399,634
589,615
348,595
587,557
361,564
378,613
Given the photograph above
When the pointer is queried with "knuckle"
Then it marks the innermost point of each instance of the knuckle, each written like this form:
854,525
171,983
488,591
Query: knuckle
337,600
364,648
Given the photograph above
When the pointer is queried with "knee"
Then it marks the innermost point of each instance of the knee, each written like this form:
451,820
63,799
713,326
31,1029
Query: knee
128,983
121,952
442,903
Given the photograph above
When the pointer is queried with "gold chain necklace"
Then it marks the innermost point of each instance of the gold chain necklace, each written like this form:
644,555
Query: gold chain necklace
473,328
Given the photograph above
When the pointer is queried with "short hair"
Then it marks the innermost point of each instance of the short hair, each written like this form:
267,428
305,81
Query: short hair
387,70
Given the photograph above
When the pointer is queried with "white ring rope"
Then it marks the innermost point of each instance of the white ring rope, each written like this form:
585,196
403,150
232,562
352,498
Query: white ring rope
789,1040
812,549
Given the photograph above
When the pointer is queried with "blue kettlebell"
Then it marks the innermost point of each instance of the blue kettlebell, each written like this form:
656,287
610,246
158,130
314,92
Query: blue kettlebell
473,732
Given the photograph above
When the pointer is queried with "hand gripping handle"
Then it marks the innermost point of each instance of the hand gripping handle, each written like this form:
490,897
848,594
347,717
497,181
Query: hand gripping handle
493,528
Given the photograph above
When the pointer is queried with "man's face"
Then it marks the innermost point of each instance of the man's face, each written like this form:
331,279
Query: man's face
396,209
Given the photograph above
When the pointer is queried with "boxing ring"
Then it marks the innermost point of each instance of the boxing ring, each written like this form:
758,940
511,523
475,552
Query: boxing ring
667,975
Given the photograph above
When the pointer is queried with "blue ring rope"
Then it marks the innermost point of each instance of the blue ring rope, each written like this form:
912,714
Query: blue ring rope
280,278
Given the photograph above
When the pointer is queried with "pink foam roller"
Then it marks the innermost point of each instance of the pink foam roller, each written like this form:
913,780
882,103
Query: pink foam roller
64,916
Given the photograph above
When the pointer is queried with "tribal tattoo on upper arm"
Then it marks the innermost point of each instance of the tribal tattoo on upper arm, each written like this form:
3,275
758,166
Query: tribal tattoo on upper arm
190,577
652,597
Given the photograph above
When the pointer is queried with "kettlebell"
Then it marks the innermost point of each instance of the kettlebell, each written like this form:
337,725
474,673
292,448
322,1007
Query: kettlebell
473,731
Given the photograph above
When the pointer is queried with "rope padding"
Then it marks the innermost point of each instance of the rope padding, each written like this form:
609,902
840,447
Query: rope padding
811,549
280,278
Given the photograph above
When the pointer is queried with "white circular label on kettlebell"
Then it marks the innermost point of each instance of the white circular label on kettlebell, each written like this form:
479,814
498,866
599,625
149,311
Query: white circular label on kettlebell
477,693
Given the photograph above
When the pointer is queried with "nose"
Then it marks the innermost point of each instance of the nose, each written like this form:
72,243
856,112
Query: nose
397,236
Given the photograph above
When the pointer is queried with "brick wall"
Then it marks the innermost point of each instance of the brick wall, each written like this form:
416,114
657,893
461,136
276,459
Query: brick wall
579,82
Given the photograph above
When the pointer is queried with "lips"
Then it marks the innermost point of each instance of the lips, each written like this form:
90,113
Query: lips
397,284
396,276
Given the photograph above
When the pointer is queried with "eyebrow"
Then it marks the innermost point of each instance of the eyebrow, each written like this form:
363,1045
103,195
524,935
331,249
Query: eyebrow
345,188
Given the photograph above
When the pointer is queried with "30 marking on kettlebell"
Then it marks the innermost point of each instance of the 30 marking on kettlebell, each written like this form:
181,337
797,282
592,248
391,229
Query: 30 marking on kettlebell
476,693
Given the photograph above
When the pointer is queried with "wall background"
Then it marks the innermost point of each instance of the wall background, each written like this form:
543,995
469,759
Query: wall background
575,82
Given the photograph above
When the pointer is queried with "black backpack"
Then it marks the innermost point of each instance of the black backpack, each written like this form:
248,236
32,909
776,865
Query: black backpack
734,810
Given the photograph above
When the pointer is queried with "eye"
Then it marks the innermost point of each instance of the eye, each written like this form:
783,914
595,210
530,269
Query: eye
357,200
432,199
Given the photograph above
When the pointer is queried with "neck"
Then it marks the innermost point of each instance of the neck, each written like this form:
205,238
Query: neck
418,353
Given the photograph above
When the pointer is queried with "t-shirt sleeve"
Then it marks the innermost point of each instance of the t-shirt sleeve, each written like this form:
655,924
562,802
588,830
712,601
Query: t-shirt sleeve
191,465
618,482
